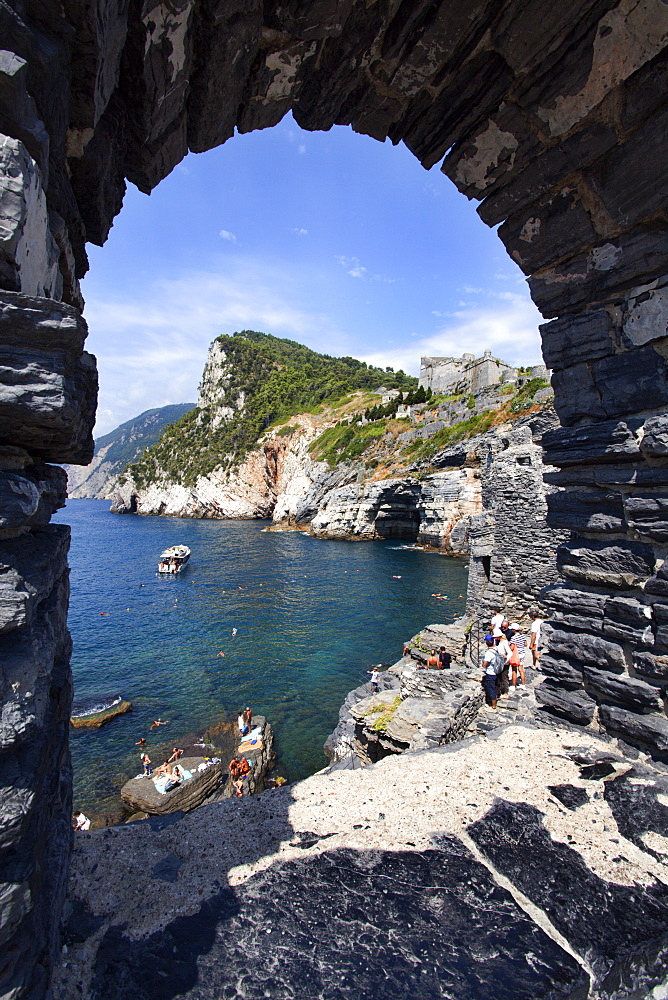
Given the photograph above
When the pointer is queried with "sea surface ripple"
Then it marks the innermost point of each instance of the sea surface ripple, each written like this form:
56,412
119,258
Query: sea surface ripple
311,617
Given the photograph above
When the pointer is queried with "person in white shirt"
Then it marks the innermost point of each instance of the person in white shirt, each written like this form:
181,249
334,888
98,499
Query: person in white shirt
497,620
534,640
492,663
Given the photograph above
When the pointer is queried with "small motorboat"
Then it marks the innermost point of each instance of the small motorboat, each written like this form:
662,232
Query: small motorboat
173,559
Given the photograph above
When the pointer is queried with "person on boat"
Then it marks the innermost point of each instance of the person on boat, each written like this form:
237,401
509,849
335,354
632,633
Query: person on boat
158,722
176,753
238,770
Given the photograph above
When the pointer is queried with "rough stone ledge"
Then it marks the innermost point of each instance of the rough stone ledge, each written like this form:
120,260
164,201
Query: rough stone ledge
222,870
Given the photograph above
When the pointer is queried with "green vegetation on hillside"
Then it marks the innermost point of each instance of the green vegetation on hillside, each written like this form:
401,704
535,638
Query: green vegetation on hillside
278,379
450,435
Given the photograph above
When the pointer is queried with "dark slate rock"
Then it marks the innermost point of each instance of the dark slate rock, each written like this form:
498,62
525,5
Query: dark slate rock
658,584
595,512
602,475
562,670
607,441
596,772
588,649
576,397
544,170
619,565
569,795
600,919
577,609
628,620
576,706
348,924
648,731
655,437
660,613
573,339
631,178
544,231
48,392
648,515
650,665
591,276
648,389
637,807
625,691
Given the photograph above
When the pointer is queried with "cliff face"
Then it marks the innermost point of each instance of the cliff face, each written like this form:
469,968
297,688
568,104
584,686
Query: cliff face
113,451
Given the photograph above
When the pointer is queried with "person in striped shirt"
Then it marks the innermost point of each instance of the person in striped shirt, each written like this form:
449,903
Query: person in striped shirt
518,646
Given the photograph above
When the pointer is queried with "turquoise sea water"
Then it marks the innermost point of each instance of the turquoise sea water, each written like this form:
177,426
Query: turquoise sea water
311,617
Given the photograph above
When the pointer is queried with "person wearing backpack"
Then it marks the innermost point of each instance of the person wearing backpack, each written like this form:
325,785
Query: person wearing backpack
493,663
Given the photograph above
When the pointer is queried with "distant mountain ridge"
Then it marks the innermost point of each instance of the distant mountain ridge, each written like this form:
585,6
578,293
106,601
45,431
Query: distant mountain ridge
114,451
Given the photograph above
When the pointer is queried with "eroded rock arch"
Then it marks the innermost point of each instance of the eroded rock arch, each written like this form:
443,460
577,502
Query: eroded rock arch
552,115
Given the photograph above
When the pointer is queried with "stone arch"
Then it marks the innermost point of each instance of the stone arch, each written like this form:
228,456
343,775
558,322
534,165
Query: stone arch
553,116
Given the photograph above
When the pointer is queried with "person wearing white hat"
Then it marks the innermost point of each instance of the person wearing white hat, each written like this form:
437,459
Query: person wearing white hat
518,646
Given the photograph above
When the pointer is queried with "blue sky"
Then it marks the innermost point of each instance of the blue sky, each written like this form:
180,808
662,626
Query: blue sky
330,238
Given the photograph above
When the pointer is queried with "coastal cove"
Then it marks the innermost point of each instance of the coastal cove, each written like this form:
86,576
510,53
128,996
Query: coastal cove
311,617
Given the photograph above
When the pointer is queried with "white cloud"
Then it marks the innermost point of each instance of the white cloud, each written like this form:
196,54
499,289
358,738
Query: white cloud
505,323
353,266
301,148
225,234
298,231
151,345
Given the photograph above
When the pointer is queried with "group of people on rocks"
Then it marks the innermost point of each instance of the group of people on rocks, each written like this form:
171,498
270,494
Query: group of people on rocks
503,660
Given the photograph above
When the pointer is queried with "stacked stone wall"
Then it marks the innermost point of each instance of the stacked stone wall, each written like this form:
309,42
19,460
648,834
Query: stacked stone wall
553,116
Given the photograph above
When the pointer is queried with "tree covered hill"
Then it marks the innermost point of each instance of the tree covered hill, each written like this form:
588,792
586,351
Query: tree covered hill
251,381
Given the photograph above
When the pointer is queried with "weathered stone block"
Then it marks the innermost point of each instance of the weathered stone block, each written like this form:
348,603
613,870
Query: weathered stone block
576,397
660,613
30,566
650,731
561,670
28,251
632,178
576,706
592,276
645,314
625,691
607,441
547,230
48,387
620,565
628,620
573,339
583,648
543,171
655,437
648,516
595,512
576,609
650,665
623,392
18,114
604,475
658,584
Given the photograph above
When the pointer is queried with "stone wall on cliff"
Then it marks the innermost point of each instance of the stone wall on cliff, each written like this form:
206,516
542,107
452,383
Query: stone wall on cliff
553,116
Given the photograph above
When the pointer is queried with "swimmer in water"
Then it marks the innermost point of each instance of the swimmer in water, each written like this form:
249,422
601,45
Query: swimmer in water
158,722
141,742
234,631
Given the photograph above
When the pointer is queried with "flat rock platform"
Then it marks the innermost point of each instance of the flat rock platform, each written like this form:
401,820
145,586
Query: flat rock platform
141,795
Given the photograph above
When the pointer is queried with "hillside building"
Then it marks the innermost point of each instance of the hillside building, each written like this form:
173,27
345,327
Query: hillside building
465,374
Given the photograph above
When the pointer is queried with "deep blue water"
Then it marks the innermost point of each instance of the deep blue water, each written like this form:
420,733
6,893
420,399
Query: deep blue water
311,617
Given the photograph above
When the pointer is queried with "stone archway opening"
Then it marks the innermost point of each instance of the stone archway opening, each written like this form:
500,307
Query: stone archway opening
552,116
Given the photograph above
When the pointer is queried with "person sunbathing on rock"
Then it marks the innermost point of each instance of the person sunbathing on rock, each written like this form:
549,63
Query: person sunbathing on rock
238,770
165,768
176,753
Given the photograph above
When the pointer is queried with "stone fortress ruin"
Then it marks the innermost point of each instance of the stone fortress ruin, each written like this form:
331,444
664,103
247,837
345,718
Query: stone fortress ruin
552,116
471,374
